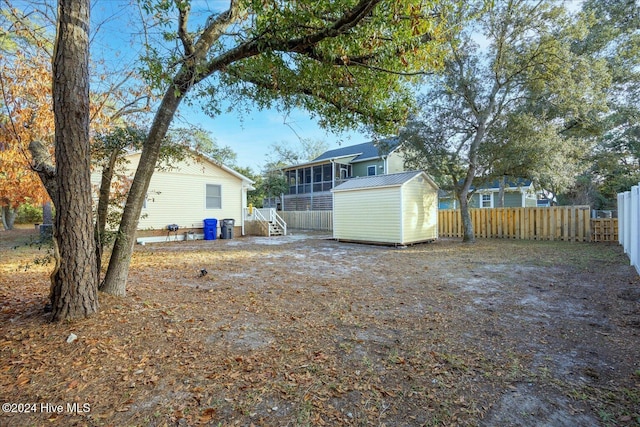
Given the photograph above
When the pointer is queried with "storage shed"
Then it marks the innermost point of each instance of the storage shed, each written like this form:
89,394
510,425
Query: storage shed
394,209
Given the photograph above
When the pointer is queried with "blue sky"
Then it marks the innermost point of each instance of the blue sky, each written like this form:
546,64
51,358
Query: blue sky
252,135
248,133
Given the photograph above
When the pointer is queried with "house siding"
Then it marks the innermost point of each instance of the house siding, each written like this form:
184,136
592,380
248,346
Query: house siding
177,196
419,213
368,215
395,163
361,168
511,200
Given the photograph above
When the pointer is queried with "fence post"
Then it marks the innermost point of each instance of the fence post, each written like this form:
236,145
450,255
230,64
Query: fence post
627,221
635,229
621,218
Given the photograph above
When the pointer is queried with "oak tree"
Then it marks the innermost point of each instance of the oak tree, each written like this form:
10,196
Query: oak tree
505,101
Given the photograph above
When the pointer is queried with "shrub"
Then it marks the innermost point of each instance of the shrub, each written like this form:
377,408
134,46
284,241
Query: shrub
29,214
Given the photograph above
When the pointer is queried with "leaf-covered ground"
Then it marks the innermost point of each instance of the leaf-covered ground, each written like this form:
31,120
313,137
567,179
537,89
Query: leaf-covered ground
303,330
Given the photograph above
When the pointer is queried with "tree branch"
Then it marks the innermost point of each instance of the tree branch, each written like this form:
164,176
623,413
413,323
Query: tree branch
298,45
44,167
183,32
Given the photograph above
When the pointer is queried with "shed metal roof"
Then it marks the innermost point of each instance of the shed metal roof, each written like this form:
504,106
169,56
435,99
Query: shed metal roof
390,180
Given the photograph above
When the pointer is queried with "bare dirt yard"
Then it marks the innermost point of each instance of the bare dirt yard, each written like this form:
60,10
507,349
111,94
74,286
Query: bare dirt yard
303,330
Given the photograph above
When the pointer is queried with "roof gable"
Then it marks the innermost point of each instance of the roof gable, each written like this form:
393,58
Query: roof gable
201,157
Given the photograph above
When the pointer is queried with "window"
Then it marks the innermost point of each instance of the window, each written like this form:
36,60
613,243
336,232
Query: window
486,200
371,170
214,197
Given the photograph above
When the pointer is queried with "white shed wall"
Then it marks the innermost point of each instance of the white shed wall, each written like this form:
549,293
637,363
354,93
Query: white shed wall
368,215
420,211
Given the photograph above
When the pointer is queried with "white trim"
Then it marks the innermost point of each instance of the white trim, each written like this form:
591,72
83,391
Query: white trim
482,200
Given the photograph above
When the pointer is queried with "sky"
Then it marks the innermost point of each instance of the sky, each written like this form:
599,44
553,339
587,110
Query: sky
250,134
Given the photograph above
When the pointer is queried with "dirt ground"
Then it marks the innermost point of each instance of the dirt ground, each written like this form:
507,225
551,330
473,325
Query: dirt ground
303,330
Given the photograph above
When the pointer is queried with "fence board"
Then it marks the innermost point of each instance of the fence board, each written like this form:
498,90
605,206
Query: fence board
308,220
568,223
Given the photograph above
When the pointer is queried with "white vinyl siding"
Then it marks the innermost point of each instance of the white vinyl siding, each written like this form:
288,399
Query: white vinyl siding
419,212
178,196
213,196
367,215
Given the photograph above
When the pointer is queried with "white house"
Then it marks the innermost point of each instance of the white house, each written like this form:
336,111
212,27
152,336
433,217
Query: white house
187,193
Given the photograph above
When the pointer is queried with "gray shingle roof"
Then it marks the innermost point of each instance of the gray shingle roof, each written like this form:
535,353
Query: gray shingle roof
390,180
363,151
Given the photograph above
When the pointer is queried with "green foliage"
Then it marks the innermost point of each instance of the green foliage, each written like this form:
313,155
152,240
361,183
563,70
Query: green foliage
613,37
201,141
119,139
523,106
29,214
346,62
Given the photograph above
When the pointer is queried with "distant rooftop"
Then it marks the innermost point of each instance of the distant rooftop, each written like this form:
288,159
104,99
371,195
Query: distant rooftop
363,151
509,183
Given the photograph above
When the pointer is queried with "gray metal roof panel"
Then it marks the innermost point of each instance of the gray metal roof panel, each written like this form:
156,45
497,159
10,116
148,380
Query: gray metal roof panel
390,180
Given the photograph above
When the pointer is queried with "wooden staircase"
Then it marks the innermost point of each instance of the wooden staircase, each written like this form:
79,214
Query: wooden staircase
270,223
275,229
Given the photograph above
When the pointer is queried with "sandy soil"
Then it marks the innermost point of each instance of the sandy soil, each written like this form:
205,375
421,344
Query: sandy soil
304,330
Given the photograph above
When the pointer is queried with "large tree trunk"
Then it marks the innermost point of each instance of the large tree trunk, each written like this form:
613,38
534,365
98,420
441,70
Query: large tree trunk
115,281
103,206
463,197
500,201
8,217
468,235
74,281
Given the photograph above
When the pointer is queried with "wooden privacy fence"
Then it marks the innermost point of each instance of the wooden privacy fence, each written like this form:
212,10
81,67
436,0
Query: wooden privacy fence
568,223
308,220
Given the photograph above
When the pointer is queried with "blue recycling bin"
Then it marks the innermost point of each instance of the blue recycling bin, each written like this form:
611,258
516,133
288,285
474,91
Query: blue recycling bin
210,227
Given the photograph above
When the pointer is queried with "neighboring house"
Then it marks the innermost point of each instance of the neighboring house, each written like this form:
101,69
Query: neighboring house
188,192
310,183
519,193
394,209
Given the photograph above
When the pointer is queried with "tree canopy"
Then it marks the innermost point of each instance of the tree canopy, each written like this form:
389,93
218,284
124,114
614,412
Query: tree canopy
511,100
